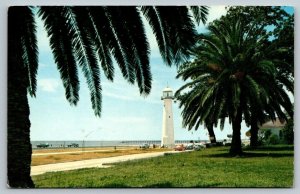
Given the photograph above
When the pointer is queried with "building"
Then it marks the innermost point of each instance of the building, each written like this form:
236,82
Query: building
167,120
274,126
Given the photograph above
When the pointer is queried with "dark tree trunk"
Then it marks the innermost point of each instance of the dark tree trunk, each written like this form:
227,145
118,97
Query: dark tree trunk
18,126
211,133
254,135
236,143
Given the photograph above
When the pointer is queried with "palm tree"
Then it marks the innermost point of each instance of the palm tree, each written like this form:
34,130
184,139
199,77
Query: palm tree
281,51
88,37
192,108
231,76
268,110
282,40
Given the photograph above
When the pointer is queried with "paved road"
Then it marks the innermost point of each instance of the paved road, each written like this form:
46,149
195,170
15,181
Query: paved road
36,170
72,152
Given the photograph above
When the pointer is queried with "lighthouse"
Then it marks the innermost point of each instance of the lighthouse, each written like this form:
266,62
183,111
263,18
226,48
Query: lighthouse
167,123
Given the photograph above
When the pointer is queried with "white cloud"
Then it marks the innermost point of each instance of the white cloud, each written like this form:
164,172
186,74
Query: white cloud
128,96
122,90
48,85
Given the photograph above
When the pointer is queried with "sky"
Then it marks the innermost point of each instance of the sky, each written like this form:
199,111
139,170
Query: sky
125,114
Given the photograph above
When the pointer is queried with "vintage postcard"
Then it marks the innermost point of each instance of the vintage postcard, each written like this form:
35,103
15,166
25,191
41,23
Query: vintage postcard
150,97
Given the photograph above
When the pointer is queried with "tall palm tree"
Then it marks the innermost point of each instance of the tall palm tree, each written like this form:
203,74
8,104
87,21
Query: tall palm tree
88,38
281,51
192,108
282,40
231,76
268,110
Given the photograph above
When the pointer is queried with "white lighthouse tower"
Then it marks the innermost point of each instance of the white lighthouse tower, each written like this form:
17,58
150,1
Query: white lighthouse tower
167,124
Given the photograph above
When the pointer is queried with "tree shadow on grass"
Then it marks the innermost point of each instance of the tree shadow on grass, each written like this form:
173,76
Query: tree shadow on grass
116,185
157,185
207,185
271,148
251,155
170,185
160,185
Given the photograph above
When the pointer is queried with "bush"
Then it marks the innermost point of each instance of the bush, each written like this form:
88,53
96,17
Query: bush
288,132
267,135
273,139
263,137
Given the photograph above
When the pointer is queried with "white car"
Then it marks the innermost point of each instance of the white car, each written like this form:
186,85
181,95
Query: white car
198,147
189,147
145,146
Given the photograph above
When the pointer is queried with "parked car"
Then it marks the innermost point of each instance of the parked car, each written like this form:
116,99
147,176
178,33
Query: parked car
42,145
198,147
189,147
75,145
195,147
145,146
179,148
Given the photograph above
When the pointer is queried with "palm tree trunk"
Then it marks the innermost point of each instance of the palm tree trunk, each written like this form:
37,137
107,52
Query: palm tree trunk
236,143
18,125
211,133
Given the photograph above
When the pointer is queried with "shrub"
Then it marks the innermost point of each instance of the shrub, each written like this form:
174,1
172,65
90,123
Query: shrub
288,132
273,139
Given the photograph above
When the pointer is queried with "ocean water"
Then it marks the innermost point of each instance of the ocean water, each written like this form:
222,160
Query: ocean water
62,144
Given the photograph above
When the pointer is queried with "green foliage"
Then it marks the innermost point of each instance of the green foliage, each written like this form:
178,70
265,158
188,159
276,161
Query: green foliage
258,16
266,137
91,36
267,134
234,73
200,13
288,132
276,26
207,168
273,139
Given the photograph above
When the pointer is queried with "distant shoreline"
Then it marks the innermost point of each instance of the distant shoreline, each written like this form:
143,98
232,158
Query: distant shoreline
107,143
93,143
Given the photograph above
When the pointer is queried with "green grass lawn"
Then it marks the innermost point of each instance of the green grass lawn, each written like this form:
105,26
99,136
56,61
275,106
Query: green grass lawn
264,167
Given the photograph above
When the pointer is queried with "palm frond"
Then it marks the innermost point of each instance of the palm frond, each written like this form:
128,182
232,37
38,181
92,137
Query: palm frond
153,17
84,51
287,82
139,43
29,47
103,40
200,13
177,19
62,49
